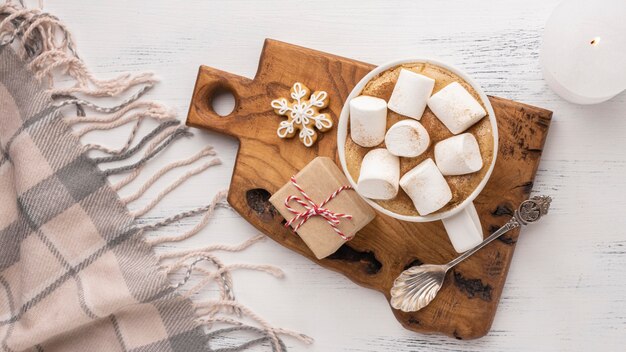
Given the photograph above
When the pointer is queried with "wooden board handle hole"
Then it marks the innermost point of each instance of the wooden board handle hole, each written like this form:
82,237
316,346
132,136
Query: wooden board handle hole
222,100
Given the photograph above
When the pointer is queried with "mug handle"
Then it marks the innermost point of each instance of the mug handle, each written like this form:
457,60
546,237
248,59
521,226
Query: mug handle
464,229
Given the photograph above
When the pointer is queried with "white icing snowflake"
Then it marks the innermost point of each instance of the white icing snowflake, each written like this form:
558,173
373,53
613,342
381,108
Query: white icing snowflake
303,114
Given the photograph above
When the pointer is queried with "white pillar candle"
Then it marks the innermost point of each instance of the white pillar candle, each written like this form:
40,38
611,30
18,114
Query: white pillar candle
368,120
410,94
379,176
426,187
456,107
407,138
458,155
583,53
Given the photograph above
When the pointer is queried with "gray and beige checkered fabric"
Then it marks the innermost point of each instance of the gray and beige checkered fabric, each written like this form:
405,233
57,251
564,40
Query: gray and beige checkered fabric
75,273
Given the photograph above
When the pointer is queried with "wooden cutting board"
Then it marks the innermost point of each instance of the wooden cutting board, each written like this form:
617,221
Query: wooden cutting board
466,304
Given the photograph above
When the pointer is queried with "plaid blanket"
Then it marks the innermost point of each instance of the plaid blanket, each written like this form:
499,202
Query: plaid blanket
75,272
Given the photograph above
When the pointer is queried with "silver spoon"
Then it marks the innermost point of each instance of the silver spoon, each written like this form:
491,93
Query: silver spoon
418,285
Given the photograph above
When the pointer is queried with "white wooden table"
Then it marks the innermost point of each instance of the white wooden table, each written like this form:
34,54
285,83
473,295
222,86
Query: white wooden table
566,289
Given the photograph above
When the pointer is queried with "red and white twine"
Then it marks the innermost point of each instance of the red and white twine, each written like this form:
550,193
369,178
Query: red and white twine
312,209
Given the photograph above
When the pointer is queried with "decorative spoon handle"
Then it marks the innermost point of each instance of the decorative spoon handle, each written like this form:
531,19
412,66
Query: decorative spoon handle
528,212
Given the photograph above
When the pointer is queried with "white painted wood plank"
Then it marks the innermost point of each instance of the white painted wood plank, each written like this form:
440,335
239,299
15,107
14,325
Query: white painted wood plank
569,300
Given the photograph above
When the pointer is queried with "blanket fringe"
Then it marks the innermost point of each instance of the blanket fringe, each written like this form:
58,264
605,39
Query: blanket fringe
214,247
208,211
151,147
209,310
173,186
207,151
171,137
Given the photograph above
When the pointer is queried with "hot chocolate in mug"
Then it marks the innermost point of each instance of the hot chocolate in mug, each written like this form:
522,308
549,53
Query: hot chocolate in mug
461,222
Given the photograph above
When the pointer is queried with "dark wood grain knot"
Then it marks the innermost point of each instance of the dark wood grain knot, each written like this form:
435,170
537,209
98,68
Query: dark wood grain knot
457,335
472,287
496,265
412,263
506,239
258,200
526,187
503,209
414,321
371,265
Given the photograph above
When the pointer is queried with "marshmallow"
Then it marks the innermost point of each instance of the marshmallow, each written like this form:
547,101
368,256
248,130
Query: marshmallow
407,138
456,108
426,187
368,120
458,155
410,94
380,172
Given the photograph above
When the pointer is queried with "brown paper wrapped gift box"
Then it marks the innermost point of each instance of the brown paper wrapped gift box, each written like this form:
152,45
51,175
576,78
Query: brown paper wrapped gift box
319,179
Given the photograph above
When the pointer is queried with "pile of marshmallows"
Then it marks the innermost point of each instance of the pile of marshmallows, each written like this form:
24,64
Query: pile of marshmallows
425,184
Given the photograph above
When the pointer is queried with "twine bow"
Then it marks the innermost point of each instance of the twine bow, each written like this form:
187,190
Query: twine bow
312,209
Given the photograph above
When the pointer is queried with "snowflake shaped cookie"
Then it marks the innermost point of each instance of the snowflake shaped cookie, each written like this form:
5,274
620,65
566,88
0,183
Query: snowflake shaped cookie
303,114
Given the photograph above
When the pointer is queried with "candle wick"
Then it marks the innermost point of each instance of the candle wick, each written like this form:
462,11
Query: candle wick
595,41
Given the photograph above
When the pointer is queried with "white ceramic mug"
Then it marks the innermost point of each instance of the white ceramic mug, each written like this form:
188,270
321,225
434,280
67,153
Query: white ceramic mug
461,223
